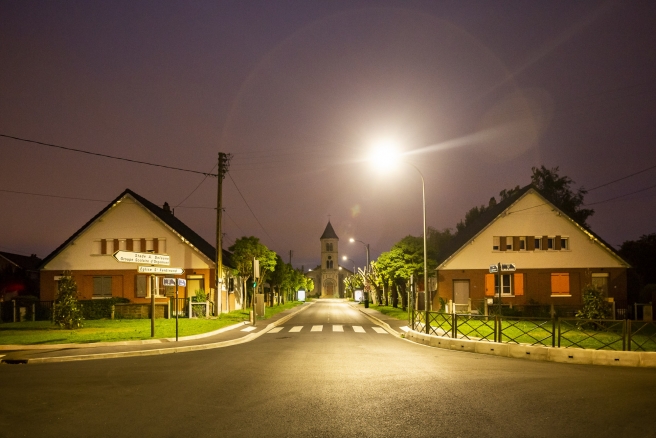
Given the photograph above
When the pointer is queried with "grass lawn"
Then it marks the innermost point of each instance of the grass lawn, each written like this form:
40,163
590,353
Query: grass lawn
392,312
105,330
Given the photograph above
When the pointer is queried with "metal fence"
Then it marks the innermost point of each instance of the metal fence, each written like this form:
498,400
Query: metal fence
596,334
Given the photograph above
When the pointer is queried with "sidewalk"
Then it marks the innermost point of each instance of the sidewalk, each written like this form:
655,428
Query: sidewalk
227,336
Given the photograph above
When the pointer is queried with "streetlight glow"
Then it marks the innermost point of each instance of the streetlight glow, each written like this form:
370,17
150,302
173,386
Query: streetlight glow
385,155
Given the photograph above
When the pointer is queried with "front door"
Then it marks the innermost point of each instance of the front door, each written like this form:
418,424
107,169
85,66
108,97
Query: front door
461,296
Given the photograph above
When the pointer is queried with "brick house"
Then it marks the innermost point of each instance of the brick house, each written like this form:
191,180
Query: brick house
555,257
133,223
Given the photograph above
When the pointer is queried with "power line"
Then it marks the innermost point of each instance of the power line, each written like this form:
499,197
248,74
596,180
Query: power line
194,190
53,196
251,210
105,155
623,178
621,196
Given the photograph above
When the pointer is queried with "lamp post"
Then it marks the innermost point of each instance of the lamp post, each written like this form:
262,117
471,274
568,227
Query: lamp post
353,261
366,270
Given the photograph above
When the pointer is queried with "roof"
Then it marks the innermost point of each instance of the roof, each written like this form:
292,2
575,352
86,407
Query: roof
28,263
168,218
329,233
484,220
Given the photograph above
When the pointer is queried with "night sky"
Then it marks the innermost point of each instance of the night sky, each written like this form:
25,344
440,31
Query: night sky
476,93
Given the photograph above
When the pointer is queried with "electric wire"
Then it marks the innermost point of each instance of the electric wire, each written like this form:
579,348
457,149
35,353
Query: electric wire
621,196
251,210
623,178
97,154
194,190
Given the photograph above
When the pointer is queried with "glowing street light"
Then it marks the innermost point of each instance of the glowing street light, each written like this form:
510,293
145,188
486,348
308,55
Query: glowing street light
384,157
346,258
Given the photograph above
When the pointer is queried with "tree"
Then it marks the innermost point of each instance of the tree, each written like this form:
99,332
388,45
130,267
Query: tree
436,240
641,254
595,305
244,250
557,189
68,314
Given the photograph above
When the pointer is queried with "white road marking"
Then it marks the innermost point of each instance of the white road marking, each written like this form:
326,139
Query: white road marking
405,328
358,329
275,330
380,330
317,328
338,328
248,329
296,329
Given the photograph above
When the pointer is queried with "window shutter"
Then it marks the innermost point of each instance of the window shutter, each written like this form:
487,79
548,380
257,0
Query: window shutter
557,244
156,245
530,243
97,286
560,284
107,286
489,285
516,243
519,284
128,244
103,246
502,243
140,286
545,243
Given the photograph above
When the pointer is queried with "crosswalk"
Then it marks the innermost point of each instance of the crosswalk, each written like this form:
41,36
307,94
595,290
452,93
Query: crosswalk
337,328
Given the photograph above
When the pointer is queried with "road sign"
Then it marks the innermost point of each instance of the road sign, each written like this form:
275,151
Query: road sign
508,267
145,258
168,281
494,269
182,282
158,270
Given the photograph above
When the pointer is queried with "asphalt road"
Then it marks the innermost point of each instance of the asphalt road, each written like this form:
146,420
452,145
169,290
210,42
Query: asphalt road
326,383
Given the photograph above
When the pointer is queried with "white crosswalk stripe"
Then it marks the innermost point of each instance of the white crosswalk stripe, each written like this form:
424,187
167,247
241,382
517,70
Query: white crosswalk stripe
338,328
248,329
276,329
358,329
317,328
296,329
380,330
405,328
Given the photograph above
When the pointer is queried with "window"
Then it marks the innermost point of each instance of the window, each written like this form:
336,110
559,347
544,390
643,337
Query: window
141,286
506,284
522,243
495,243
136,245
97,247
551,243
102,287
538,243
559,284
509,243
161,246
329,247
329,264
564,243
600,281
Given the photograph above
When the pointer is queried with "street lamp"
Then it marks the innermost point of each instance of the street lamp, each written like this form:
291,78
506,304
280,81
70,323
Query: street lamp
346,258
385,157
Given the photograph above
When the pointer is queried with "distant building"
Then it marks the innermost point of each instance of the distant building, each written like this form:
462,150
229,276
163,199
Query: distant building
555,258
132,223
19,275
329,276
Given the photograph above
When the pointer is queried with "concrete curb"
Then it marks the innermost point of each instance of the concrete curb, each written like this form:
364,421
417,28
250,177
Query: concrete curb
169,350
120,343
530,352
379,322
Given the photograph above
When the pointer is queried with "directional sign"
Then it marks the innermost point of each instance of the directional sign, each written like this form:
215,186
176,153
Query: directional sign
158,270
145,258
493,269
182,282
168,281
508,267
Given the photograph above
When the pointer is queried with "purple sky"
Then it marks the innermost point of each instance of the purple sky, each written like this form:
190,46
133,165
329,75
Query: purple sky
299,91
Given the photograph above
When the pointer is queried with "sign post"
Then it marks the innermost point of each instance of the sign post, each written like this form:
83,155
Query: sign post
183,283
498,269
152,303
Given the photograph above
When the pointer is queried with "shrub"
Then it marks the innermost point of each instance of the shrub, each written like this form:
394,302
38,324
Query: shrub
595,305
201,296
67,309
99,309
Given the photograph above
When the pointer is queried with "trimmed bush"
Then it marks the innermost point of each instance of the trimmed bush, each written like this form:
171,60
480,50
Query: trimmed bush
99,309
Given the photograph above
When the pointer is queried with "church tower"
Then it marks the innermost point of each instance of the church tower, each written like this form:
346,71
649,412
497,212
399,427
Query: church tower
330,281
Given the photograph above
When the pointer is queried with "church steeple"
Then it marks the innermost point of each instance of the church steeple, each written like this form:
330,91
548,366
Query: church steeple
329,233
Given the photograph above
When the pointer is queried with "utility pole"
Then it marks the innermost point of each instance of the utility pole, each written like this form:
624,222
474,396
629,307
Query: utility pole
224,162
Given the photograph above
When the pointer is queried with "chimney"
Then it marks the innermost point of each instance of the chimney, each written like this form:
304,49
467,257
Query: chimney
166,207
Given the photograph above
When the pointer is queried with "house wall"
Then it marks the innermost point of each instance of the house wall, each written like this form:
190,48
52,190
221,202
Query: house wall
530,216
537,285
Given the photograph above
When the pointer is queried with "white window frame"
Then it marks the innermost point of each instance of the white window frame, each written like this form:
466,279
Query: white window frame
496,243
498,277
510,243
564,239
551,240
538,243
522,239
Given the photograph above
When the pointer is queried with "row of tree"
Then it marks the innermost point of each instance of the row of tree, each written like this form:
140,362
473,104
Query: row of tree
282,278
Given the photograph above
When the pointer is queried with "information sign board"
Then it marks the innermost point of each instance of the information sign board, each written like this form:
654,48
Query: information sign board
158,270
145,258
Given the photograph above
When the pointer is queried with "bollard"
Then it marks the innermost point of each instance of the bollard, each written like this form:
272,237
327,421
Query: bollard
113,311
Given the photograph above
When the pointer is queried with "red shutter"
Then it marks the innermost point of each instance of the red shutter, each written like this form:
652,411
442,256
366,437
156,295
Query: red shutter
103,246
519,284
489,285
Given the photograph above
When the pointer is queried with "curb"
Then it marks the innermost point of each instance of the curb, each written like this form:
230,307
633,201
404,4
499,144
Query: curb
540,353
379,322
161,351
